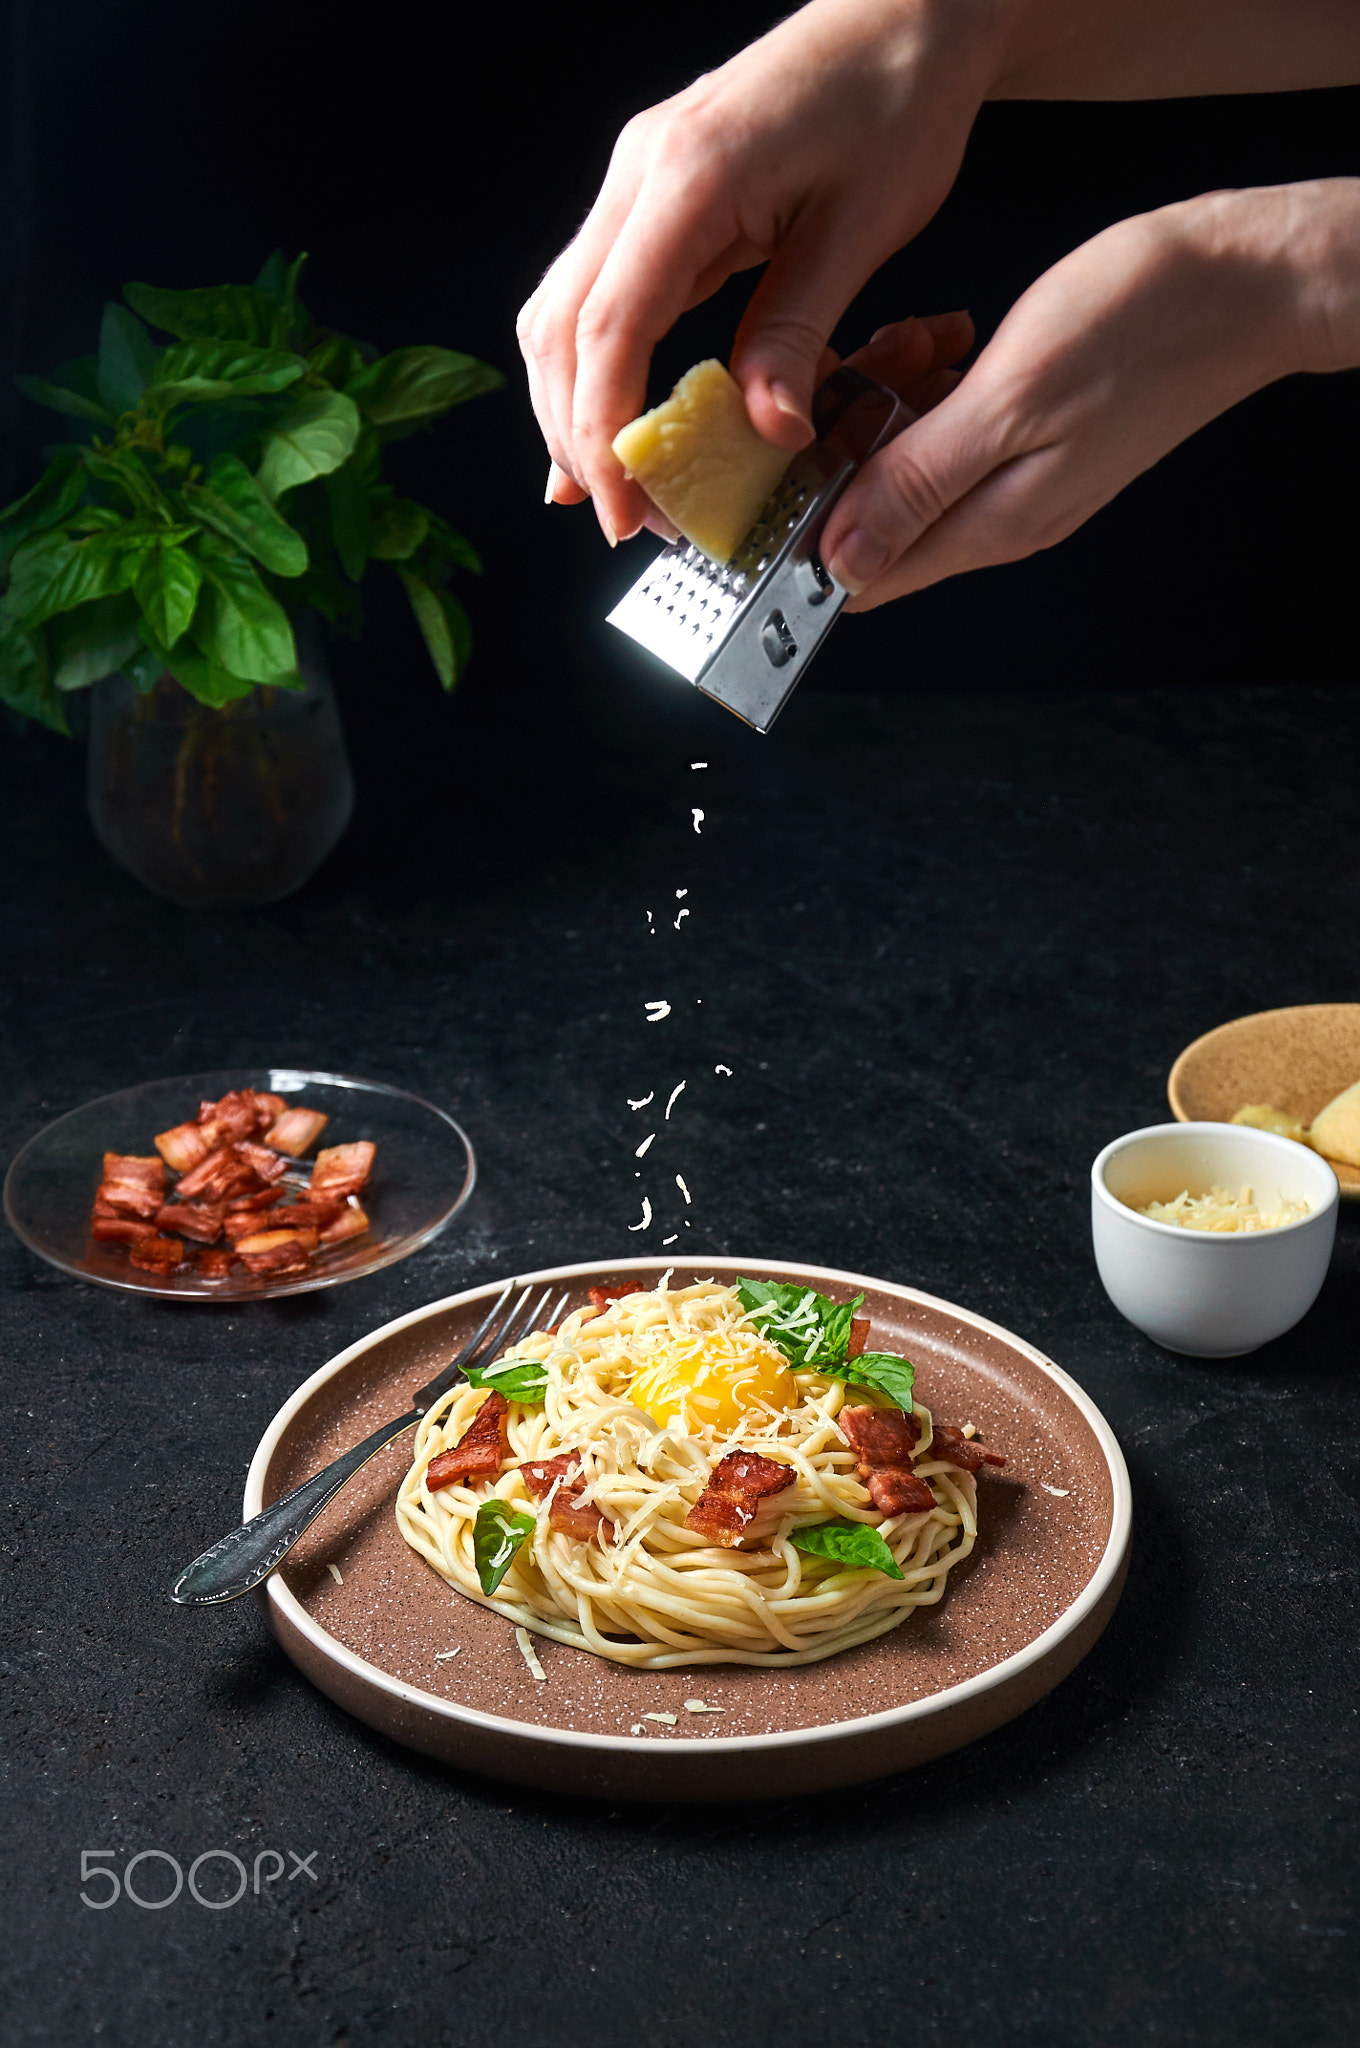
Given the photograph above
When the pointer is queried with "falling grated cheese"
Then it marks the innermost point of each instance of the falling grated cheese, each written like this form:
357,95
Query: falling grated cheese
528,1653
657,1010
702,1707
334,1571
1058,1492
442,1656
669,1719
639,1105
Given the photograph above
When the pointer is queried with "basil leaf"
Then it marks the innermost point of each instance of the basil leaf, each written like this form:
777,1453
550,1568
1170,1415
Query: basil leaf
232,504
143,670
882,1370
336,358
416,384
226,312
498,1536
812,1332
25,686
52,574
849,1543
239,624
313,438
194,671
443,622
56,493
167,591
272,282
351,526
93,641
58,398
222,369
448,547
399,525
519,1379
127,359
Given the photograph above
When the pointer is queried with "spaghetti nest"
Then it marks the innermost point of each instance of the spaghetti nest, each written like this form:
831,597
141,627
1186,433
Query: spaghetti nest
653,1593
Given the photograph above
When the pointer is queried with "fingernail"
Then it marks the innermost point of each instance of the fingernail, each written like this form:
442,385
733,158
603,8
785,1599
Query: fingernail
894,327
860,557
787,403
554,479
606,526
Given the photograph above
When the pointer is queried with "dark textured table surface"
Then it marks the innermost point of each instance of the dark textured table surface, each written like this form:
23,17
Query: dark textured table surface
949,943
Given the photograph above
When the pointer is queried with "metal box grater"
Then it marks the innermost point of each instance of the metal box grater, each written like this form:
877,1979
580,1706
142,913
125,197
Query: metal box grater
744,633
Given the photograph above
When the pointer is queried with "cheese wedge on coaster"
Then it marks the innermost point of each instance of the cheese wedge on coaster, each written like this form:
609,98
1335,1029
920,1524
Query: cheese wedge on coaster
701,462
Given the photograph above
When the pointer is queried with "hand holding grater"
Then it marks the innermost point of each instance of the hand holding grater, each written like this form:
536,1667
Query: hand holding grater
744,633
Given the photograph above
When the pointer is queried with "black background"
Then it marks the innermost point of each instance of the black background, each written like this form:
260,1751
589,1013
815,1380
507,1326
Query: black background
1010,848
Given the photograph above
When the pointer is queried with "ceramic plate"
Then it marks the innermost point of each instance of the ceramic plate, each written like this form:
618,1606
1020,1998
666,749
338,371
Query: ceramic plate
1295,1059
423,1173
385,1637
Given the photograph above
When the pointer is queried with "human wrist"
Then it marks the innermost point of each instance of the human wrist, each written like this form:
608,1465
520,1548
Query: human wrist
1262,250
1323,259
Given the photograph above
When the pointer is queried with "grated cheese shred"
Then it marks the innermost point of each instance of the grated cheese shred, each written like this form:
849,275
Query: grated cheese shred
1220,1211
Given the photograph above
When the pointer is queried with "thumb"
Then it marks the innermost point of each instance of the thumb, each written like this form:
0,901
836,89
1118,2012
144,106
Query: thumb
807,285
904,490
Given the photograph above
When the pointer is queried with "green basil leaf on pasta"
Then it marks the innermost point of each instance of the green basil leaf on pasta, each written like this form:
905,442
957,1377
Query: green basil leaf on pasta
882,1370
848,1543
498,1536
519,1379
812,1332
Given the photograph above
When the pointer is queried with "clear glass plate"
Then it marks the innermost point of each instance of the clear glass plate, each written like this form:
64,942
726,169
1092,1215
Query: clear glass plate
423,1172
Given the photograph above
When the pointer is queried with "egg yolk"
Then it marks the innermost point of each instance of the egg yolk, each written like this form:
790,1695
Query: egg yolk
704,1379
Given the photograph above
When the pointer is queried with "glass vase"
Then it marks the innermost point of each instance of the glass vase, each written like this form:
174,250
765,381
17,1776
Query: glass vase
214,806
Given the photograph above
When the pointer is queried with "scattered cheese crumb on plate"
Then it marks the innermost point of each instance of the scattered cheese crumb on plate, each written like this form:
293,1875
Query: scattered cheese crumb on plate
1058,1492
669,1719
334,1571
702,1707
528,1653
969,1429
442,1656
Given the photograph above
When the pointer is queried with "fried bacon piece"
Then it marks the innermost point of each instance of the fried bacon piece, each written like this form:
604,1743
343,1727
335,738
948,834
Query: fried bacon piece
270,1166
157,1254
305,1215
184,1146
263,1198
240,1223
603,1296
730,1503
213,1265
235,1116
479,1451
131,1186
569,1513
121,1229
268,1109
952,1447
885,1439
859,1336
295,1130
341,1170
352,1221
220,1174
200,1220
276,1251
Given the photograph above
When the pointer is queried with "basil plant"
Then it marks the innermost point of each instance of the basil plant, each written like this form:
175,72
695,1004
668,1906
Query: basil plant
223,481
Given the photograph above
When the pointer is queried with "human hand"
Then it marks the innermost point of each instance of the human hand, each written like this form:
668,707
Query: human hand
1110,359
819,150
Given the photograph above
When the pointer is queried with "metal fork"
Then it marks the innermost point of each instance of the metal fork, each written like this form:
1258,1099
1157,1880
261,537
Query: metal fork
237,1562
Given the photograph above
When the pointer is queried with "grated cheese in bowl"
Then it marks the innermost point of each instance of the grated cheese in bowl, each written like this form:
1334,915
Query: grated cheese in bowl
1220,1211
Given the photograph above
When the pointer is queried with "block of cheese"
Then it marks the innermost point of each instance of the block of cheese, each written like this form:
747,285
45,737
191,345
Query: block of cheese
701,462
1335,1130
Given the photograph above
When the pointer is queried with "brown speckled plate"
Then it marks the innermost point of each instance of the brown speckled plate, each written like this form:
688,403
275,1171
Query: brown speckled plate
373,1626
1295,1059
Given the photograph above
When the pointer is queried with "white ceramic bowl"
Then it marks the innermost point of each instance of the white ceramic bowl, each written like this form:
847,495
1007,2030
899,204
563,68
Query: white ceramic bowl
1210,1294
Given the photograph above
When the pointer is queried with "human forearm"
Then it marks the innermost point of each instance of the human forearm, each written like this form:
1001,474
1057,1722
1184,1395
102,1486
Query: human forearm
1171,49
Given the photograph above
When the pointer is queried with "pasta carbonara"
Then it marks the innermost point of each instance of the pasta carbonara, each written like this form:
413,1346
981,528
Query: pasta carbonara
678,1489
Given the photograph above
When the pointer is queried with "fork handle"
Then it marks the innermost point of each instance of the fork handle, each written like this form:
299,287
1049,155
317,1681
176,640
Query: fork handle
237,1562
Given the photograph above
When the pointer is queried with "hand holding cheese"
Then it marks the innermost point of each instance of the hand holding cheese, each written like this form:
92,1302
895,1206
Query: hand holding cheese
829,143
